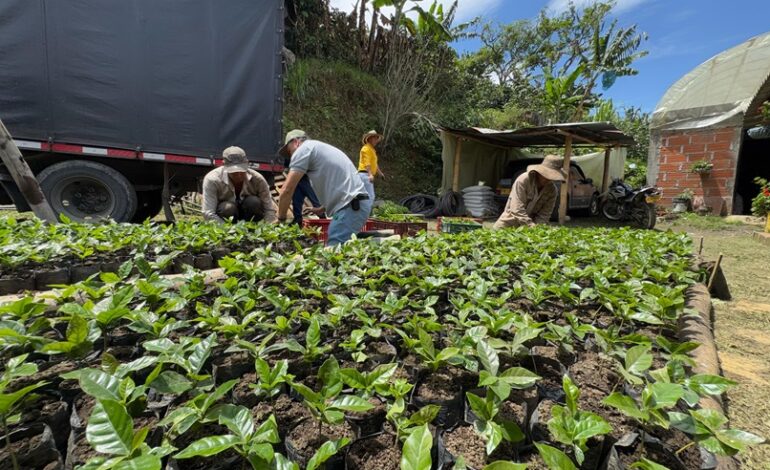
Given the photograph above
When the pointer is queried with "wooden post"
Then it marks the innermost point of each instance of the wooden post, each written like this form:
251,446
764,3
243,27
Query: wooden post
456,171
565,185
166,195
23,177
606,176
714,272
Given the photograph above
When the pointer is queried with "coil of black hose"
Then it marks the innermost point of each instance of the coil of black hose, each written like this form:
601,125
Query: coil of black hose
423,204
451,204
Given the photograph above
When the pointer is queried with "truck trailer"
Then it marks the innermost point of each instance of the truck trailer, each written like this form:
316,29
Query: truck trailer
110,99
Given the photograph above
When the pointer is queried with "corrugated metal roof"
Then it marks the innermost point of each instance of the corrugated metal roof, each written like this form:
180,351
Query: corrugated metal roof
584,134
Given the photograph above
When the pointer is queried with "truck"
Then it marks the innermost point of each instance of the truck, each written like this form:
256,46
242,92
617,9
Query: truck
110,100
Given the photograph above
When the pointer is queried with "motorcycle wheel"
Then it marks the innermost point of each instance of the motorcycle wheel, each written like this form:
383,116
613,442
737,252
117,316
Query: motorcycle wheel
644,216
612,210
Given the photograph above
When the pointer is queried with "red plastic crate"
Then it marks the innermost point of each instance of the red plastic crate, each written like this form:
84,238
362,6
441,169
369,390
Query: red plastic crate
323,224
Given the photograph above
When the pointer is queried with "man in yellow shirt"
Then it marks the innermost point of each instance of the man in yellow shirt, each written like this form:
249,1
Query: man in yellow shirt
367,163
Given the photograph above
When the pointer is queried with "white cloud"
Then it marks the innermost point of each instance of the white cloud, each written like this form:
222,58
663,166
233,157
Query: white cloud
622,5
466,9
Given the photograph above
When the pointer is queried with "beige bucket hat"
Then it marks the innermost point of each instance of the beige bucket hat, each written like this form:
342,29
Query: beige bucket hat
291,135
551,168
365,138
235,160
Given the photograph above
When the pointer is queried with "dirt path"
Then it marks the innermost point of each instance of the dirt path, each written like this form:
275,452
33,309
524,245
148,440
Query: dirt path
743,328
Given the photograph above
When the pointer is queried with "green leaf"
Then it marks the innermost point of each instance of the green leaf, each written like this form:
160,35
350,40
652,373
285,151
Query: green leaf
353,378
638,359
110,428
282,463
505,465
705,384
738,439
8,400
171,382
237,419
572,393
381,374
479,406
626,405
415,454
313,334
352,403
711,419
327,450
201,352
665,395
645,464
447,353
142,462
219,393
554,458
488,357
100,385
77,329
208,446
590,425
519,378
424,415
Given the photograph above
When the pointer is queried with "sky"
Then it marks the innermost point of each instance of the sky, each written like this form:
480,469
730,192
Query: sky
682,34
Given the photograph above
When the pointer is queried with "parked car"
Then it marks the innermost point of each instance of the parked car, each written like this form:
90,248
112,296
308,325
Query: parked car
582,197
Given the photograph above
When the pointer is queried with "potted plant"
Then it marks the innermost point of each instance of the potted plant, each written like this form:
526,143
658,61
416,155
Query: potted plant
683,201
762,130
702,167
760,205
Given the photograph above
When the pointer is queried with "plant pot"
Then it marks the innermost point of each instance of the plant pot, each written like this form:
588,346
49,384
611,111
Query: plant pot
702,172
381,352
380,450
681,205
219,253
34,447
630,444
15,285
111,267
450,409
45,279
185,259
759,132
300,450
445,459
83,272
204,261
230,366
368,423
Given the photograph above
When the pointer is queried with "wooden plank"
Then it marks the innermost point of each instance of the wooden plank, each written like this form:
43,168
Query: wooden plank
606,175
23,177
456,174
565,185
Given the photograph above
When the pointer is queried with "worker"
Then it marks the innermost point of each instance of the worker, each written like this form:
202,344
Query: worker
368,168
334,179
234,191
533,195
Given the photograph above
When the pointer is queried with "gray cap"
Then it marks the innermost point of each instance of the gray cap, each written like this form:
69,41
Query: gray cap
235,160
291,135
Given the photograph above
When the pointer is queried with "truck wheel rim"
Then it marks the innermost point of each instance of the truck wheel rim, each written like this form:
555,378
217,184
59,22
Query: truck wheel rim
82,198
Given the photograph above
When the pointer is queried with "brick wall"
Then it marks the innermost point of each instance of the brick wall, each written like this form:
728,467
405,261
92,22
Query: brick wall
678,150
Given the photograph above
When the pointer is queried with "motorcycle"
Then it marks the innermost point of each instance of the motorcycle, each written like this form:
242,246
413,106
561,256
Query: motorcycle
621,202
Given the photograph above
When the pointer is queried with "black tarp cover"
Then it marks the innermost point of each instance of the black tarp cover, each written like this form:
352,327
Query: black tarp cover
188,77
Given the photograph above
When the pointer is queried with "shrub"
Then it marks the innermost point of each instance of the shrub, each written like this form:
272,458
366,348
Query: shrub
760,205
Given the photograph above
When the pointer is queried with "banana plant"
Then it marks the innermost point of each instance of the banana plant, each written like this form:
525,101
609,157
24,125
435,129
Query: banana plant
572,426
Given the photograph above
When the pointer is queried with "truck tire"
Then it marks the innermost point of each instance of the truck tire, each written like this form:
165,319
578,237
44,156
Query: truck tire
149,204
86,191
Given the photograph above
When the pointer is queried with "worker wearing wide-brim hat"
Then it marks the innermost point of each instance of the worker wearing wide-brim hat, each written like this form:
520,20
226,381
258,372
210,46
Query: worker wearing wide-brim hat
533,195
368,167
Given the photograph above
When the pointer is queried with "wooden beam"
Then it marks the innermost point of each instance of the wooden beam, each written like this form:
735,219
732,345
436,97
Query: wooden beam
606,176
577,137
23,177
565,185
456,171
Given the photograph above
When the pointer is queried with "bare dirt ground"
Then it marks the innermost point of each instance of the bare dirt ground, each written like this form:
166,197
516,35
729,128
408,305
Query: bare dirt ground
742,325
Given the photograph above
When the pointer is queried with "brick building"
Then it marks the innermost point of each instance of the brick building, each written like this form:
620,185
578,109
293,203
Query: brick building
705,116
